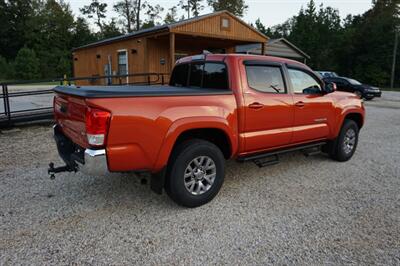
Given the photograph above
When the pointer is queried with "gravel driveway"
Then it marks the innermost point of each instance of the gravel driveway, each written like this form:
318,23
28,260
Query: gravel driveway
301,211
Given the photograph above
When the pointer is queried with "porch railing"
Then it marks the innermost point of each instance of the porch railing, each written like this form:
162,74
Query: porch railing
29,101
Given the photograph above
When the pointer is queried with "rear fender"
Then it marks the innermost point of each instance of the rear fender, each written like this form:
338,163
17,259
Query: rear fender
185,124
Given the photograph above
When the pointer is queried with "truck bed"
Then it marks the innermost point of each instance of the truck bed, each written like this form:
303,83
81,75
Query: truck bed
135,91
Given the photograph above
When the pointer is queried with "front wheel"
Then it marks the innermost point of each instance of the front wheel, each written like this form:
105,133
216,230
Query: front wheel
196,173
345,145
359,94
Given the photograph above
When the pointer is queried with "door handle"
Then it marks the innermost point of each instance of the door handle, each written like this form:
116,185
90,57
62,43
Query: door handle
256,105
300,104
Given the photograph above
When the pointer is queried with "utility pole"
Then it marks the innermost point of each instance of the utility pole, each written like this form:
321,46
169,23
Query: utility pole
396,43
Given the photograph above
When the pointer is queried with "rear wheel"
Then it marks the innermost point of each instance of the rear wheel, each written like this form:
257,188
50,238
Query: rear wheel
343,148
196,173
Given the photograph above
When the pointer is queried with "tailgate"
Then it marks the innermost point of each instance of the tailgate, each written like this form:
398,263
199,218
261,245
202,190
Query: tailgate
69,112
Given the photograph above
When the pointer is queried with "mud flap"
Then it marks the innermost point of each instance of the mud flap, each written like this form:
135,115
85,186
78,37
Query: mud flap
158,180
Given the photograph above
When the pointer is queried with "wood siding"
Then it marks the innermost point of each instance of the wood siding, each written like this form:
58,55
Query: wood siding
88,65
281,49
211,27
151,53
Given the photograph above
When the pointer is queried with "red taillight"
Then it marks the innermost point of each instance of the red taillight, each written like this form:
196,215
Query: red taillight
97,122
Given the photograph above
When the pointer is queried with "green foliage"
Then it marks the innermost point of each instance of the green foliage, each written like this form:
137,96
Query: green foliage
171,16
27,65
358,46
110,30
236,7
15,16
3,68
153,15
81,33
97,11
130,13
191,7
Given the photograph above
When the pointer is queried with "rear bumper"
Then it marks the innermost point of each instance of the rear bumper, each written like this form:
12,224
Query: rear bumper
88,161
95,163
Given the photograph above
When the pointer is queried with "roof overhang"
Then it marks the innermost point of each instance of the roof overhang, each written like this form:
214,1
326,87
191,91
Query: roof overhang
175,27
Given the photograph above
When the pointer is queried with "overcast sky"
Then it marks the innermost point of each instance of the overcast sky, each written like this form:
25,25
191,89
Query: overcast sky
271,12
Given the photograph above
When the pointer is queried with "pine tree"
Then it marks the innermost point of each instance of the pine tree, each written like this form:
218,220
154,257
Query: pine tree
96,10
171,16
27,64
236,7
127,10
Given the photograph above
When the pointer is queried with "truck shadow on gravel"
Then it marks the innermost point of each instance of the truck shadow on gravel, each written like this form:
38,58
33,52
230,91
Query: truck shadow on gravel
125,190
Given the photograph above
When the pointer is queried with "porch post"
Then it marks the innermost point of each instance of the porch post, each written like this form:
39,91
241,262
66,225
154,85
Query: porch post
262,48
172,49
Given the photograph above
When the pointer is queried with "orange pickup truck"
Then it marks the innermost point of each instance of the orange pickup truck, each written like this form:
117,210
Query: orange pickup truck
216,107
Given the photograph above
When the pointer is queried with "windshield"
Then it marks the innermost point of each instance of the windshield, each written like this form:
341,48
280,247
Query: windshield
353,81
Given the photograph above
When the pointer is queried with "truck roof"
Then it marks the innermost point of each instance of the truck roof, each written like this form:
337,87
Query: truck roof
222,57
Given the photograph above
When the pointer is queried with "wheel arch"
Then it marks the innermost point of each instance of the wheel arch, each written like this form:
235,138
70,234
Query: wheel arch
356,117
351,114
214,129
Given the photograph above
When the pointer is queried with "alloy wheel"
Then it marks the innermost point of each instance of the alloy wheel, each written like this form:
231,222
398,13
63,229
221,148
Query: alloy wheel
199,175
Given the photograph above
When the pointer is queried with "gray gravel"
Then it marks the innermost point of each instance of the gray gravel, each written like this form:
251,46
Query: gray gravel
302,211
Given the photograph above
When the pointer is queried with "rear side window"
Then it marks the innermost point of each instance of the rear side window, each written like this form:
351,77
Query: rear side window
266,79
201,75
196,74
215,76
179,76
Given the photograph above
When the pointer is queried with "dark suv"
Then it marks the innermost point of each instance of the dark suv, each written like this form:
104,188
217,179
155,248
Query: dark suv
351,85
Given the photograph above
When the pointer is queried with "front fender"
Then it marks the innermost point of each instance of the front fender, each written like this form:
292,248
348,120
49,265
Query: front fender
346,111
190,123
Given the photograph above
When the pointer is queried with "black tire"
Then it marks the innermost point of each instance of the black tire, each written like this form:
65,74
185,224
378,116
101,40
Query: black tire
359,94
183,155
339,149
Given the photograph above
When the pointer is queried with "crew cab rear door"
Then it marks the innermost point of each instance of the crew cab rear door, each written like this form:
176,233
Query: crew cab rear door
268,106
313,109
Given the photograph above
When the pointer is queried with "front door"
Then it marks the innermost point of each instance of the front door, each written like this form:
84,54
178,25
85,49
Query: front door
313,109
268,108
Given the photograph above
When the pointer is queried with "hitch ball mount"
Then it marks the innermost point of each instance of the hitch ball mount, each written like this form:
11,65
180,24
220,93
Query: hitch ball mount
52,171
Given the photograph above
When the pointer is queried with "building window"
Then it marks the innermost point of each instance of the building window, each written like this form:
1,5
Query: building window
225,23
122,62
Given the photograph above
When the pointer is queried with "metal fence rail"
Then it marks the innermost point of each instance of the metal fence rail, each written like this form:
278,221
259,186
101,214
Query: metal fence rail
9,114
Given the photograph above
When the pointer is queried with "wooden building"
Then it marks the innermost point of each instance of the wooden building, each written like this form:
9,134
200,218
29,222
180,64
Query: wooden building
275,47
156,50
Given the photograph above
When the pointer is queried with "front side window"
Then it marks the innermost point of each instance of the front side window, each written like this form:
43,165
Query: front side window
303,82
266,79
122,63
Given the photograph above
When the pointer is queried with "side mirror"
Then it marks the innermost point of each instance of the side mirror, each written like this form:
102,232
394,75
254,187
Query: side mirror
312,90
330,87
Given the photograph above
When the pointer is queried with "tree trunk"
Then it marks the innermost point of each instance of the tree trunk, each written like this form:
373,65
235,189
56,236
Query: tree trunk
128,16
139,7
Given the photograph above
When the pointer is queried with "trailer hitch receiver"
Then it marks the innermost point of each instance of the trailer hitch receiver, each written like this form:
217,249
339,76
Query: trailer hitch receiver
52,171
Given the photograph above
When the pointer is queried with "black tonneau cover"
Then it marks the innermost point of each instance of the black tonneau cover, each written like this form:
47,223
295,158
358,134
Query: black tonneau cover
135,91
